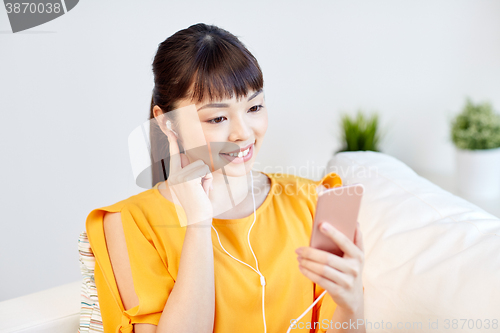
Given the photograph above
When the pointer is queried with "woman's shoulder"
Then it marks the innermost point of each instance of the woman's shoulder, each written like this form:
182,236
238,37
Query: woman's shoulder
283,179
137,212
288,178
299,187
135,203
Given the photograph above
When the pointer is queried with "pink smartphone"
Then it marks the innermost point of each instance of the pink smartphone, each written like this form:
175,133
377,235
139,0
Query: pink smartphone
338,206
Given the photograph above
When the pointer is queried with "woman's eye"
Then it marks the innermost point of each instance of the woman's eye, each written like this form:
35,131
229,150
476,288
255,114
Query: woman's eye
215,120
255,106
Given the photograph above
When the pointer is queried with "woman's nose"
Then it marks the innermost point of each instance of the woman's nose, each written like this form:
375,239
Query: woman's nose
239,130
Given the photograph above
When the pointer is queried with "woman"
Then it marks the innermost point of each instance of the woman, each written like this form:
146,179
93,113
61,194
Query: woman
161,269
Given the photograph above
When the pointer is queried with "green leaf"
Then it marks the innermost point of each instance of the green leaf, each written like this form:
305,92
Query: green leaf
360,132
477,126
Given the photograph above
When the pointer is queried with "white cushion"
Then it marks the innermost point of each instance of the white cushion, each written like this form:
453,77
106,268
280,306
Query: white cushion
52,310
68,308
430,256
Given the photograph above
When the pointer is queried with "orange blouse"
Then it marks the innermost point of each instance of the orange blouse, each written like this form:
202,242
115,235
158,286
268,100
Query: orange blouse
154,241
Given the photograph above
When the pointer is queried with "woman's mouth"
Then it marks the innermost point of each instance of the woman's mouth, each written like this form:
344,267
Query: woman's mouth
239,157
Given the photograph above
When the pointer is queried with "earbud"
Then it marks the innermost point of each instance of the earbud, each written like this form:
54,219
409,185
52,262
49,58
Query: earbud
169,126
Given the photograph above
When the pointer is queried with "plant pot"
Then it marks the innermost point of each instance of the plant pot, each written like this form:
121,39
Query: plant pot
478,172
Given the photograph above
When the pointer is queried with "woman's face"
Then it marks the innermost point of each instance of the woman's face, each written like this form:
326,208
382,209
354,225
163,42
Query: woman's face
232,126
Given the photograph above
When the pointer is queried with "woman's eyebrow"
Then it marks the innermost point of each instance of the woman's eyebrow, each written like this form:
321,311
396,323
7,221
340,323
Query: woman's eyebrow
224,105
255,94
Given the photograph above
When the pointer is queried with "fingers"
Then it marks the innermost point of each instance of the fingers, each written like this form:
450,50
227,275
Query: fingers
184,160
321,281
203,172
190,166
325,271
344,243
358,238
175,158
209,176
206,181
197,171
325,258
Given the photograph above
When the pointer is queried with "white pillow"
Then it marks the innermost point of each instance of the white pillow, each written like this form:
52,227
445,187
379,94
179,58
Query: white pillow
430,257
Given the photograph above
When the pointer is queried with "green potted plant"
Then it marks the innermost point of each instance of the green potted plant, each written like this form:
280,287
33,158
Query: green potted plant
360,132
475,132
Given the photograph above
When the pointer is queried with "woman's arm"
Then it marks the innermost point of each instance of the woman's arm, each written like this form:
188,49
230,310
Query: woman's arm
349,321
191,304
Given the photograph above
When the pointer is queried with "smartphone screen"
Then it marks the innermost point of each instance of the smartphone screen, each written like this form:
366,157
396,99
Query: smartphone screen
338,206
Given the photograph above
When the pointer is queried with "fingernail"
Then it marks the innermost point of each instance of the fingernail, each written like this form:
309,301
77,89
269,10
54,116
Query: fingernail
299,251
211,187
325,226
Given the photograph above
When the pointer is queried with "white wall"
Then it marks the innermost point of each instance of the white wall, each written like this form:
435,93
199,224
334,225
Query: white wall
72,89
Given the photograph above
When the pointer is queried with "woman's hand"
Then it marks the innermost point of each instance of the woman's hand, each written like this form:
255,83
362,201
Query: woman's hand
190,184
339,276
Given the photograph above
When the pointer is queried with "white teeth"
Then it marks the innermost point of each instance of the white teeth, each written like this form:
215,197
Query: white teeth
240,154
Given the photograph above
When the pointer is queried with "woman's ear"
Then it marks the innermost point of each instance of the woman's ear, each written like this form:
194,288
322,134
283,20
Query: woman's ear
163,121
160,118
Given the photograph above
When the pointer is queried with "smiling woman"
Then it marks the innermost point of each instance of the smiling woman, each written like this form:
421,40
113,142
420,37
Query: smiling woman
241,123
196,64
159,268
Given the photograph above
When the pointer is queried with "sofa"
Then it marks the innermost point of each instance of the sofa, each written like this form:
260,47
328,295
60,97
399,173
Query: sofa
54,310
432,260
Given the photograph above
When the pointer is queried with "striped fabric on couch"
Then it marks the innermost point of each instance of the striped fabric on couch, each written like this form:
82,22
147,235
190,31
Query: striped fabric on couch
90,313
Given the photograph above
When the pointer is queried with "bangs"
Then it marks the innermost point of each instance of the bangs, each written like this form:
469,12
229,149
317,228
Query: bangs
223,71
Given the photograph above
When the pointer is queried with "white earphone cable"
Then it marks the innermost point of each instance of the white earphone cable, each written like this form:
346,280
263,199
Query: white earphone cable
262,279
304,313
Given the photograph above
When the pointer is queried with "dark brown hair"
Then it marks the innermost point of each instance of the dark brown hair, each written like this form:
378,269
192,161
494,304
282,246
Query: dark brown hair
198,62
